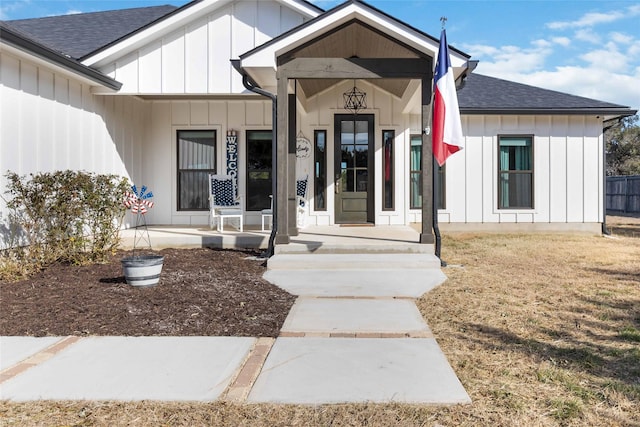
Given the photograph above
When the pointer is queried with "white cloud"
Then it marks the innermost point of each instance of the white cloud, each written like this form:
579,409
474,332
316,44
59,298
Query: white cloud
73,12
562,41
609,59
634,49
593,81
587,20
511,57
621,38
587,35
541,43
7,7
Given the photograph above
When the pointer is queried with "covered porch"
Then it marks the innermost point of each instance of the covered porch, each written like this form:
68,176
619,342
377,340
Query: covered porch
364,173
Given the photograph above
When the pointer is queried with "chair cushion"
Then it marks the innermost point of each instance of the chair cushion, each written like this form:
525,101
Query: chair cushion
229,212
301,189
223,192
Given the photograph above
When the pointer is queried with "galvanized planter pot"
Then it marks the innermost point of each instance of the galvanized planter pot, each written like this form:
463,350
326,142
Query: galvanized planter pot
143,270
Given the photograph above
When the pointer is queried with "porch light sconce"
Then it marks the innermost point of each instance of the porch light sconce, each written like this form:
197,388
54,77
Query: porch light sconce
355,99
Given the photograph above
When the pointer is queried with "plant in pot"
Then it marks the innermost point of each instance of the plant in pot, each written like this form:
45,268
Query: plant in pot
141,269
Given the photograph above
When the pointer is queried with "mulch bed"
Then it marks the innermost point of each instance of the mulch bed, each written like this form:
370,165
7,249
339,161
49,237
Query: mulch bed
202,292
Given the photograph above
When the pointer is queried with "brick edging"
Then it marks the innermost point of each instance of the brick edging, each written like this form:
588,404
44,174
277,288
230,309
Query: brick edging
246,376
37,358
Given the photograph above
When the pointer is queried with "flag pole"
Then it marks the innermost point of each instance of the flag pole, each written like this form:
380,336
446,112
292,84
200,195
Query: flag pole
435,179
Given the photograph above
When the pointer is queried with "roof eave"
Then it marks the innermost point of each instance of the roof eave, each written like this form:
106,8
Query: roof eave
49,56
605,112
340,14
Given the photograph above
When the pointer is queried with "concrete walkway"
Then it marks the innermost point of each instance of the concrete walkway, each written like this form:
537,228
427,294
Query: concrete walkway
353,335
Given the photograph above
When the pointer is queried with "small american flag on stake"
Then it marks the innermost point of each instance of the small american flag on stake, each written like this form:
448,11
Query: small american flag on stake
138,201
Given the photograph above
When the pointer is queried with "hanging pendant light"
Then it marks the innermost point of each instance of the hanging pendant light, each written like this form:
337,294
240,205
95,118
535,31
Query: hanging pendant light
355,99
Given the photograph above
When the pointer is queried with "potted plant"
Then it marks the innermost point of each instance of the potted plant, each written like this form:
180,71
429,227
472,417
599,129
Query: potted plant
141,269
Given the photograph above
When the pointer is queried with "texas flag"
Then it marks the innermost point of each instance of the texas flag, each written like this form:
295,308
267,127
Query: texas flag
447,129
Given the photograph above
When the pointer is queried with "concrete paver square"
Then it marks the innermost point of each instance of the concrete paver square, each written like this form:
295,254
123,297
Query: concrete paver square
336,370
134,368
17,349
354,315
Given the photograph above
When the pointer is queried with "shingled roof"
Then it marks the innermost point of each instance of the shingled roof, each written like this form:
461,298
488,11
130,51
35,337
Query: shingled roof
489,95
77,36
80,34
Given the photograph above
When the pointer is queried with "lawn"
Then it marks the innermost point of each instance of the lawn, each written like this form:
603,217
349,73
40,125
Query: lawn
541,330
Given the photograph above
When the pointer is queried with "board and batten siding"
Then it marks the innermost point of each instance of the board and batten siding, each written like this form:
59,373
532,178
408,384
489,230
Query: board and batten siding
159,167
52,122
568,156
196,58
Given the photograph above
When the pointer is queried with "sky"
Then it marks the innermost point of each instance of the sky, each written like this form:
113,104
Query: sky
582,47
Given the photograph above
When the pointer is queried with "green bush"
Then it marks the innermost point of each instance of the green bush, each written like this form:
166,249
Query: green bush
68,216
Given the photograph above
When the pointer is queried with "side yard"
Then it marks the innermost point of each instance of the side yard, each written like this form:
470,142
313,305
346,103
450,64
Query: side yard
543,329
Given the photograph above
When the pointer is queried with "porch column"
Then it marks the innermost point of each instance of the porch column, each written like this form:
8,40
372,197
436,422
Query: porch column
282,234
426,236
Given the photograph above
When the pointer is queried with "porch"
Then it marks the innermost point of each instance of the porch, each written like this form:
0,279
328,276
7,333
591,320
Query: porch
311,239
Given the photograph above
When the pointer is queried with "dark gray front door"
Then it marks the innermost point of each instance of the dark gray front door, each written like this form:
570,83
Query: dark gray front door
354,168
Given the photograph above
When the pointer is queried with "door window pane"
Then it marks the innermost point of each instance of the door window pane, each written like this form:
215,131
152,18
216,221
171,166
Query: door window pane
196,160
259,166
362,155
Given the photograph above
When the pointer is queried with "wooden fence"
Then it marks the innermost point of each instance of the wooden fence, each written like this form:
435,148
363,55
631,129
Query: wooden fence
623,194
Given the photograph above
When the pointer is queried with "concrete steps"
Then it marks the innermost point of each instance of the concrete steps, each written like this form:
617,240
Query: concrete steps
352,261
404,275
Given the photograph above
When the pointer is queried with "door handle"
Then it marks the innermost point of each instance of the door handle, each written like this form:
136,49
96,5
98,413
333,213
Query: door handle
337,184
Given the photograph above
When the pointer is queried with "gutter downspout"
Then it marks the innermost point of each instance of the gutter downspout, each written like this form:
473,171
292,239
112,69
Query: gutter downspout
274,158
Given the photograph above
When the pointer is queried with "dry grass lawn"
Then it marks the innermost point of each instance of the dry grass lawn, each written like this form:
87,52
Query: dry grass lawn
542,330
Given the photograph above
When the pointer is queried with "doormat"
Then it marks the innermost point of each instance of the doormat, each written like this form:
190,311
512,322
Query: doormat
357,225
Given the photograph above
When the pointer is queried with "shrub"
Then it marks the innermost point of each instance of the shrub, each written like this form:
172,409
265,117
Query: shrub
69,216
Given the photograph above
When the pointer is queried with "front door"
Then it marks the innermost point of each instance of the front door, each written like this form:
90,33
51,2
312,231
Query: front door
354,168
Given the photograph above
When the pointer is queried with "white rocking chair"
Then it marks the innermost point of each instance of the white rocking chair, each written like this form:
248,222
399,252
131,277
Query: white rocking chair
301,204
224,201
267,214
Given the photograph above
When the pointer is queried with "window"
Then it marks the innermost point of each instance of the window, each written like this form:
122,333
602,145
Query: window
320,162
515,174
196,160
415,176
259,165
388,136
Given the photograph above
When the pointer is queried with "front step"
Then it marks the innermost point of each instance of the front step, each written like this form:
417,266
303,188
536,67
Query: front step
354,246
361,261
371,283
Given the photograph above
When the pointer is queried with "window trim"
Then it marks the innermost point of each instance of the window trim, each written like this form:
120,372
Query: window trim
531,172
316,180
216,149
246,133
442,178
392,170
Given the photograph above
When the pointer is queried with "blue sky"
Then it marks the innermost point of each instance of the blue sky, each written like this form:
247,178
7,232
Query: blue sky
583,47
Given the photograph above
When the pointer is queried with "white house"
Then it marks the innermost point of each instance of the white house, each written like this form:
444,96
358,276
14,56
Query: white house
152,93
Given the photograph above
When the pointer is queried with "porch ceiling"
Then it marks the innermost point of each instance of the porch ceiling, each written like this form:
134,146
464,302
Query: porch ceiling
312,87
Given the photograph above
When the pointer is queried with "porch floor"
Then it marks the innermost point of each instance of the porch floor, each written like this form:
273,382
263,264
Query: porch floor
312,239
